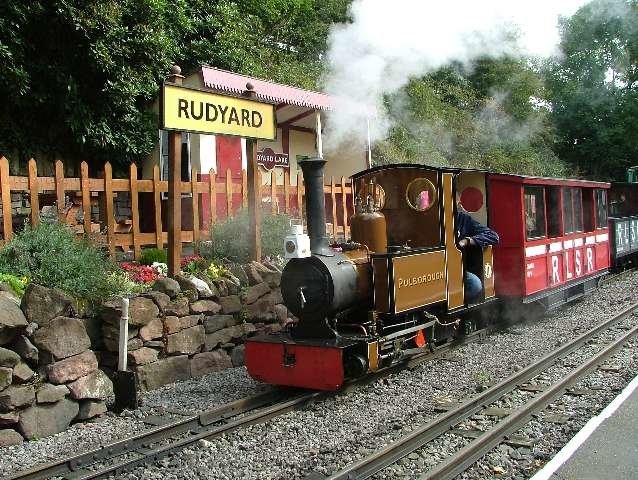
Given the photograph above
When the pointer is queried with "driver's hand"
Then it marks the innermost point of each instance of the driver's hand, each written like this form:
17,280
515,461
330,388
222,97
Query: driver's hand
464,242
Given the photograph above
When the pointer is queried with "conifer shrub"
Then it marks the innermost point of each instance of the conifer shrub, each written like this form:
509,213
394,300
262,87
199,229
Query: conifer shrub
53,256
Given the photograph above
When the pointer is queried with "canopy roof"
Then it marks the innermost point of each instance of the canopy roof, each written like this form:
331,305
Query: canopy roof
271,92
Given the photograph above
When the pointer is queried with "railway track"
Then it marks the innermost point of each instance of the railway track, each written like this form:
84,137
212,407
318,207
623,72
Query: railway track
156,443
616,275
485,442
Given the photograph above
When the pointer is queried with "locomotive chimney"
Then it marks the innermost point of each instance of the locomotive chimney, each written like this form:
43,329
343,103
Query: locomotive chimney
315,205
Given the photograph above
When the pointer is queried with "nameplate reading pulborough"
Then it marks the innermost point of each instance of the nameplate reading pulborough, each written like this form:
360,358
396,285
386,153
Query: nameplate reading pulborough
197,111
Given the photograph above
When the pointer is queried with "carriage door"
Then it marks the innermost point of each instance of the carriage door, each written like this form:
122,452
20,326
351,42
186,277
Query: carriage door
472,191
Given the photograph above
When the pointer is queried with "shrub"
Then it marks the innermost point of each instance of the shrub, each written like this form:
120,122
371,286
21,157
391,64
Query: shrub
15,283
193,264
120,281
140,273
51,255
215,271
229,239
150,256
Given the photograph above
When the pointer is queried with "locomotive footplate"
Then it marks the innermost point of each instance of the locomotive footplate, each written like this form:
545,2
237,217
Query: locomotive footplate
316,364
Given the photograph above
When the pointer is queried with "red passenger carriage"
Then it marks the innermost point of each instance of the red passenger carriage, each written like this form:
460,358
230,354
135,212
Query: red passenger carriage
554,236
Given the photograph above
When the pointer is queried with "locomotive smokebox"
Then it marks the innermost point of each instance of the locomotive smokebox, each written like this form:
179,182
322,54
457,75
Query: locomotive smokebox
315,205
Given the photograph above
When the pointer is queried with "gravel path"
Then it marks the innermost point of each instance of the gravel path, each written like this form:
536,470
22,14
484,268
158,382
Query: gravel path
329,435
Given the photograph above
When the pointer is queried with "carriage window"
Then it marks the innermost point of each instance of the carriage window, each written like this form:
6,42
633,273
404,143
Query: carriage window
588,209
578,209
601,208
553,212
534,212
420,194
568,211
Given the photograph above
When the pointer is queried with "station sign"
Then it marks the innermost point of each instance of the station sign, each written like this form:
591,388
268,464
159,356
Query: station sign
198,111
268,159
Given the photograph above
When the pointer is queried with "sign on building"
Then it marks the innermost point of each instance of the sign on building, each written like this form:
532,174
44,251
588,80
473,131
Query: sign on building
196,111
268,159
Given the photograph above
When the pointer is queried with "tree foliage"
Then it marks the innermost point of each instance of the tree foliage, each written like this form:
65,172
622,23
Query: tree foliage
79,77
594,88
488,115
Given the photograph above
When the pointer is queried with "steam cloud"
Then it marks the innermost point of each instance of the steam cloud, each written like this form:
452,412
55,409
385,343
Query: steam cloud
387,44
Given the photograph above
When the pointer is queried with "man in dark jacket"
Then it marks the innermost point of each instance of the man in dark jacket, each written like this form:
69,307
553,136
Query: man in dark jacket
469,232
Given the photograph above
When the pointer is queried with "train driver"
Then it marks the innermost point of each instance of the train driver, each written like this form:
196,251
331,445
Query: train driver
469,232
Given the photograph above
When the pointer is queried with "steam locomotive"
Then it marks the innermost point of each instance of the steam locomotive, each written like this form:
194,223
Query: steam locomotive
396,288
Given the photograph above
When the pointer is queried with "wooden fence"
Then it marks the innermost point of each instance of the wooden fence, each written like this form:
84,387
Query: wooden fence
97,194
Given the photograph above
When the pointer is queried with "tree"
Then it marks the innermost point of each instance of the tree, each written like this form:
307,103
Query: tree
79,77
593,88
488,115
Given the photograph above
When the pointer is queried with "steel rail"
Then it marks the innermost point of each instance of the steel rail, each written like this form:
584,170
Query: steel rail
614,276
392,453
74,463
472,452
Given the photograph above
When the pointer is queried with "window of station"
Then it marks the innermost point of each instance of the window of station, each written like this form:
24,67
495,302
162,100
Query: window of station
601,208
553,212
534,212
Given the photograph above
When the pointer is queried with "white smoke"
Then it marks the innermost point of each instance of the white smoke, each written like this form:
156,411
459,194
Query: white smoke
389,43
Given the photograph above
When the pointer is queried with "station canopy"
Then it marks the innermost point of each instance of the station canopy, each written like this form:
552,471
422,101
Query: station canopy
294,106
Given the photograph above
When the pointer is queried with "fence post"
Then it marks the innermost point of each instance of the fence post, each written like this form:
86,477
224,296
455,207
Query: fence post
244,189
333,199
108,206
135,212
287,191
59,190
195,196
34,192
212,186
157,203
344,202
7,218
86,197
273,192
229,193
299,195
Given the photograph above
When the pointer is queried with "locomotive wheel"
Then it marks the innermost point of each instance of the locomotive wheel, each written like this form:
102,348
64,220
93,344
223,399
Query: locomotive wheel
355,365
469,326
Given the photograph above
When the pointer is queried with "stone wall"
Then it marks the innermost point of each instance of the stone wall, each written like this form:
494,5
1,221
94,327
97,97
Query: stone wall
55,367
49,376
189,326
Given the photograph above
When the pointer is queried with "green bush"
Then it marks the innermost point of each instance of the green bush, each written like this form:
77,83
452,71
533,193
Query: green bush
15,283
152,255
229,239
52,256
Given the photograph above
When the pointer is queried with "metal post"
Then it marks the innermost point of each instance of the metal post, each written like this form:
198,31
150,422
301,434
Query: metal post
319,138
123,341
253,178
174,189
124,382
